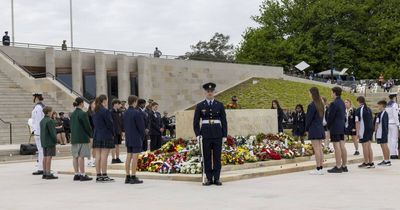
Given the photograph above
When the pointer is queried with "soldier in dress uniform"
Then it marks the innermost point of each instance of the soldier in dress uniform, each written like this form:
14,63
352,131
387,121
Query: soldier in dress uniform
210,123
392,109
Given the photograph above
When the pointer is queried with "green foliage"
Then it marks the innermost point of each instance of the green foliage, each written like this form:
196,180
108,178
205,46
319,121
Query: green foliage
289,94
216,49
364,35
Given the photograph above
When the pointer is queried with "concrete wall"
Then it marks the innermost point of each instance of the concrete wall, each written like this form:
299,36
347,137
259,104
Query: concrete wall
177,84
240,122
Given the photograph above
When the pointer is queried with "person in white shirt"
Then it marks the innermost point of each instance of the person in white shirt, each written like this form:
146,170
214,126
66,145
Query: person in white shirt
37,116
392,110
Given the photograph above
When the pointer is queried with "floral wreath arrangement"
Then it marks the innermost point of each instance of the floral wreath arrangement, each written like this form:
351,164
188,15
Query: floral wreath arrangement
183,156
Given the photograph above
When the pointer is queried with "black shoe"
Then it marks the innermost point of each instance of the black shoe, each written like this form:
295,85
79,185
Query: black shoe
114,161
37,173
99,179
217,182
208,183
118,160
135,180
394,157
51,176
363,165
371,165
388,163
128,179
335,170
382,163
356,153
85,178
344,169
107,179
77,177
44,176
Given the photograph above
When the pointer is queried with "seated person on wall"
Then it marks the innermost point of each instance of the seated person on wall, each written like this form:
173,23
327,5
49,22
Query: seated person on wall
6,39
64,45
234,103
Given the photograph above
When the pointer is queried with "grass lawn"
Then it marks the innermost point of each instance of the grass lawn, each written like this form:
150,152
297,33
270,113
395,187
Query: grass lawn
289,94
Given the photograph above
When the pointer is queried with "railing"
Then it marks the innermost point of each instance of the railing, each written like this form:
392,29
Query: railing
43,75
10,126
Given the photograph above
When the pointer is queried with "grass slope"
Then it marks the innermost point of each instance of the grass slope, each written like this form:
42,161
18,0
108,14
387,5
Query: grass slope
289,94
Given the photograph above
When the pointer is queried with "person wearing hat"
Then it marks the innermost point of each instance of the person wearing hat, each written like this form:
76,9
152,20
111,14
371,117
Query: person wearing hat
210,123
234,103
37,116
393,111
6,39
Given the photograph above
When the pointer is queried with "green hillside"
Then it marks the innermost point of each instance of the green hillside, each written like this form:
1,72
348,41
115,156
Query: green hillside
289,94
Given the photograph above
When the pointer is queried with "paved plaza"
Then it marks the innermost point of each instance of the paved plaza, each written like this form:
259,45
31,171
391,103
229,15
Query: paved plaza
362,189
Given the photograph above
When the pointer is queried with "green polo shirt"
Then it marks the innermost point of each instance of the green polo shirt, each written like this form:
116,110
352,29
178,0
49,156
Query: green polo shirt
81,131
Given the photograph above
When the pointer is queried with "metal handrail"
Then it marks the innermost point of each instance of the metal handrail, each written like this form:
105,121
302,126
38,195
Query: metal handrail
10,126
46,74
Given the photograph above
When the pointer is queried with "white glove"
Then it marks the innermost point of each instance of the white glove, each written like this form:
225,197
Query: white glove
224,139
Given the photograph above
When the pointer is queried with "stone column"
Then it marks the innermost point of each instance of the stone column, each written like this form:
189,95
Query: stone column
50,58
76,63
144,77
124,80
101,73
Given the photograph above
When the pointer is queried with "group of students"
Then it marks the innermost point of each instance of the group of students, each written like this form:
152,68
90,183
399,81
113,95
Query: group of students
97,132
340,119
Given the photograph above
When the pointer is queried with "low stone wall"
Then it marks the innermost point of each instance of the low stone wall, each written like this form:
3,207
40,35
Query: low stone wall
240,122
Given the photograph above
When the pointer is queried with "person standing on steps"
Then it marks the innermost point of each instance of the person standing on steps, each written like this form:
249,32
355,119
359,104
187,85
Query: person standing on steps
392,109
37,116
210,123
336,125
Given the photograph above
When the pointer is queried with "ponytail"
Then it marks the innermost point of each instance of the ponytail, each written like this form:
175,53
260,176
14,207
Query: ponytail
99,102
77,102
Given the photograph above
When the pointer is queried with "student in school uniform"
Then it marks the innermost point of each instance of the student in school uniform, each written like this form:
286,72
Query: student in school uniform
365,130
315,129
281,114
381,132
324,123
48,141
116,114
350,130
299,123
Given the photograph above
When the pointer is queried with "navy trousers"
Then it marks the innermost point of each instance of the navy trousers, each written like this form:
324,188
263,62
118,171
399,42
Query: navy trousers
212,149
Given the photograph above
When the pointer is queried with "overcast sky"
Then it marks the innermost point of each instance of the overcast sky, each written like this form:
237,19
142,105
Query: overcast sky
131,25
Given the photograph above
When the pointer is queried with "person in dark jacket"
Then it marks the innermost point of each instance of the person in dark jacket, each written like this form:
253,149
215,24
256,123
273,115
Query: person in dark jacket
81,132
141,106
135,130
6,39
103,138
299,123
66,125
48,141
281,114
365,130
336,125
350,126
155,127
90,113
315,128
118,130
382,131
325,122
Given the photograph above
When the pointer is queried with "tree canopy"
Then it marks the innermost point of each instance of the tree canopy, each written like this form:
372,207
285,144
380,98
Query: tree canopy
362,35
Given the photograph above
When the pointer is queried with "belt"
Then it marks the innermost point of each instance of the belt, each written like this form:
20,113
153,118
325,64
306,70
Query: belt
211,122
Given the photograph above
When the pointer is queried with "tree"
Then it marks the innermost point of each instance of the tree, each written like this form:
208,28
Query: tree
216,49
362,35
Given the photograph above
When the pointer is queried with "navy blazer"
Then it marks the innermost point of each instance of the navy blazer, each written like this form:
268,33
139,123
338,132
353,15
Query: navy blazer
133,122
337,117
351,120
314,125
368,122
385,125
103,125
216,111
155,123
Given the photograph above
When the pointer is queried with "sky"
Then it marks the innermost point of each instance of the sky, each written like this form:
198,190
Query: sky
129,25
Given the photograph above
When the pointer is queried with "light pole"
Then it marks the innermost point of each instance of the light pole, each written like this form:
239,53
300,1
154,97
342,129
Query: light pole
70,20
12,22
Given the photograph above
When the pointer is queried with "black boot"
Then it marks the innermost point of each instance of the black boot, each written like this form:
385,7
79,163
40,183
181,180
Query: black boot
128,179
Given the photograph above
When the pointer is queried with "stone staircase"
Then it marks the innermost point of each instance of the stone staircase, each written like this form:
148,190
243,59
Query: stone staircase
16,106
373,98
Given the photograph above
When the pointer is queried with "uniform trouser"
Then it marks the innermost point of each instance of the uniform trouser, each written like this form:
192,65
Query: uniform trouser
393,136
40,152
212,149
155,143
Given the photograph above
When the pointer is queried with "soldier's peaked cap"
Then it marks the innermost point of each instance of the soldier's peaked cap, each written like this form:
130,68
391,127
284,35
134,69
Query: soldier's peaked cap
209,86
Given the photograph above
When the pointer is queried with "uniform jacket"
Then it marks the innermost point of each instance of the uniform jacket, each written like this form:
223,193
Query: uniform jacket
368,127
37,116
350,119
134,123
81,130
314,125
299,122
117,121
103,125
216,111
336,117
382,126
155,123
48,132
281,116
6,40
